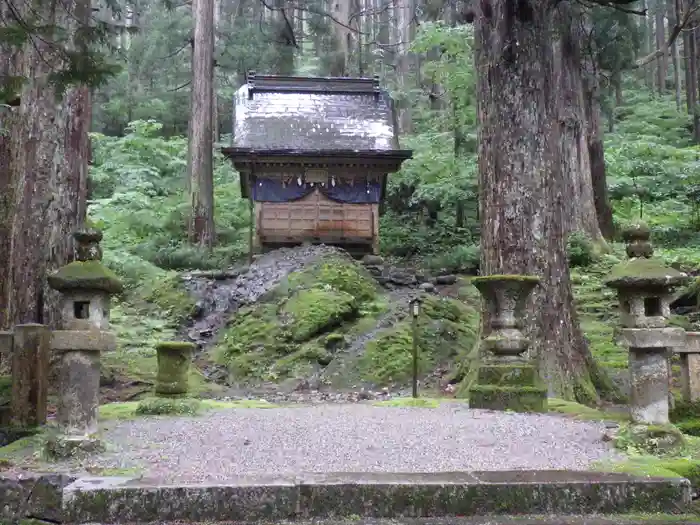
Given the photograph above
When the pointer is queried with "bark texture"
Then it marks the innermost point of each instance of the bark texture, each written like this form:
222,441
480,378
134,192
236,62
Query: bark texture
51,172
523,186
573,140
201,184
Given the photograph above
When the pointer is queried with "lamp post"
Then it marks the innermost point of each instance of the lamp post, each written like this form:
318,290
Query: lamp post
414,306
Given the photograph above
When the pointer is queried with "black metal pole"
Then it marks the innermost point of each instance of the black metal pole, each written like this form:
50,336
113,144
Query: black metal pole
415,355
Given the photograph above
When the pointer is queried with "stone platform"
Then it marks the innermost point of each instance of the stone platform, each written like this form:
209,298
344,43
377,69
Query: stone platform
378,495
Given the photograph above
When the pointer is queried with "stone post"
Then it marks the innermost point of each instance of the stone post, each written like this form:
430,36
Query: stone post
5,352
174,358
506,380
30,375
690,367
86,286
645,288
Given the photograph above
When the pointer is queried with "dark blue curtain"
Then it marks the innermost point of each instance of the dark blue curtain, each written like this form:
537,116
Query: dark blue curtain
359,193
271,190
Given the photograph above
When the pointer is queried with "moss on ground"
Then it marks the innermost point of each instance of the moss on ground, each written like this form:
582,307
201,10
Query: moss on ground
420,402
447,331
178,406
297,326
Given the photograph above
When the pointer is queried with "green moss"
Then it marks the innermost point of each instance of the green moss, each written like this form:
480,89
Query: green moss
643,272
286,334
158,406
341,274
447,328
174,358
315,310
128,410
579,411
515,398
656,467
513,277
651,439
684,410
171,298
85,275
409,402
691,427
507,375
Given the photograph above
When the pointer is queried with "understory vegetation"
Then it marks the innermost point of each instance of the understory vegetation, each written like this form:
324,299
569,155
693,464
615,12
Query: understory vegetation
138,201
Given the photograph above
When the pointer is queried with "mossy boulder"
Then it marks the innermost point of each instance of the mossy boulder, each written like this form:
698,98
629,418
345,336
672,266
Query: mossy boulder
339,273
447,328
313,311
85,275
298,325
652,439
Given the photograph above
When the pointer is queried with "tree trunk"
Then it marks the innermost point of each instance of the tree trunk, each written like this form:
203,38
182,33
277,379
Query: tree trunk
573,136
523,186
692,86
673,15
52,164
660,31
9,132
200,168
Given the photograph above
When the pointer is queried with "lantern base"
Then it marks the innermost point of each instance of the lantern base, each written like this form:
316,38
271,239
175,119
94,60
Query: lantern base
508,387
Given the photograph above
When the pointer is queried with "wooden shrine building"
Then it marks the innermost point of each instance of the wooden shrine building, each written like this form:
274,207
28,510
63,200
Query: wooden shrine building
313,156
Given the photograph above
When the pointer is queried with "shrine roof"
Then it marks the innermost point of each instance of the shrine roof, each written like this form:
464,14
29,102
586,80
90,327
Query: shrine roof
313,115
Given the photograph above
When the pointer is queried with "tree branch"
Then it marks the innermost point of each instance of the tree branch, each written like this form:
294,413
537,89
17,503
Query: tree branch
682,22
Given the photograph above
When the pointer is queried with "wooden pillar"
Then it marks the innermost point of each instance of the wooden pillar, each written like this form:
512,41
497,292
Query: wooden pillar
5,352
690,367
30,375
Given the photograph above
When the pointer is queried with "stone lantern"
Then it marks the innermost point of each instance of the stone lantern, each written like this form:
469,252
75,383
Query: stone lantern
645,288
506,379
86,286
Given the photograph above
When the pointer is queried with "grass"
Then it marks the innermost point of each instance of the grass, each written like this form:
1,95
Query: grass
421,402
127,410
579,411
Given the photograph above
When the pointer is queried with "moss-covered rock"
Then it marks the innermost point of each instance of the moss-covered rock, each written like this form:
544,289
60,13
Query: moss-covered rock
299,324
312,311
447,328
85,275
651,439
339,273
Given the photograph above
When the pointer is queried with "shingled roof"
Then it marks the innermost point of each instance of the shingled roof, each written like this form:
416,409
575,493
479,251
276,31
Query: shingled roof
312,115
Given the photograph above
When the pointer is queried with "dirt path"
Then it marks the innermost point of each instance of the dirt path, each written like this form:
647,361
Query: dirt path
350,438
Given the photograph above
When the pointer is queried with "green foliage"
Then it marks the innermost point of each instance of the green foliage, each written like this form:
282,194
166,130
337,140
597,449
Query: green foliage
580,249
161,406
140,204
447,328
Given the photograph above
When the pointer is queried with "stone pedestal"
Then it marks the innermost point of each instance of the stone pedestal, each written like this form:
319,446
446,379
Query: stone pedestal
649,349
505,379
174,358
79,394
690,367
645,290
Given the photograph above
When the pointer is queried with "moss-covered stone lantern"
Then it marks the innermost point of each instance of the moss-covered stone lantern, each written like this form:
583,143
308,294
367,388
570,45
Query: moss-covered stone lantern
86,286
506,379
645,288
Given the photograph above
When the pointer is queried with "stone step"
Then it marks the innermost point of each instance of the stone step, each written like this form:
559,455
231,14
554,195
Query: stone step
530,519
372,495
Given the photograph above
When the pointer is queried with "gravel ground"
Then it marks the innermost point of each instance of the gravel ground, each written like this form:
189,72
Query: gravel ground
349,438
